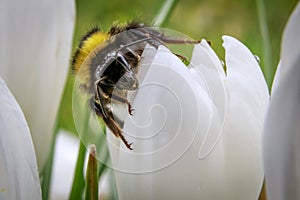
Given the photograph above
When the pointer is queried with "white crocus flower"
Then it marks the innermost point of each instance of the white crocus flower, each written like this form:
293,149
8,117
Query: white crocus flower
18,168
66,148
282,129
196,131
35,40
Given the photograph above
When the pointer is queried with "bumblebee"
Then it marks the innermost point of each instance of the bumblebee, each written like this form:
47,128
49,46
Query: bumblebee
108,62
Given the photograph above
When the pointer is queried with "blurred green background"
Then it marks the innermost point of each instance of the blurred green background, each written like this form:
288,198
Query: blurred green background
195,18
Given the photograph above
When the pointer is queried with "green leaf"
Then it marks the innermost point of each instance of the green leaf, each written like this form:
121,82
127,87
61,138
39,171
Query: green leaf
262,16
47,170
78,181
165,12
104,149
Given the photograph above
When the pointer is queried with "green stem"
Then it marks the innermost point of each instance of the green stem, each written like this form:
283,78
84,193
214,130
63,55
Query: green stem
165,12
91,192
103,149
261,10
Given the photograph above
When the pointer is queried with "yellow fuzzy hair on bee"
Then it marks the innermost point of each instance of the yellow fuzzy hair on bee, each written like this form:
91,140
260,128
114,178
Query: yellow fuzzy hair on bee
88,43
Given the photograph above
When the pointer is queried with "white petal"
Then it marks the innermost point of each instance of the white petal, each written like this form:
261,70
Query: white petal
18,168
282,139
169,104
281,135
248,100
221,171
168,123
34,53
212,76
290,46
66,151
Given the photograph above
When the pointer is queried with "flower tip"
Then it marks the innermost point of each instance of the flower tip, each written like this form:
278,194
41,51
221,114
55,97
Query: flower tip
204,43
236,48
93,150
229,41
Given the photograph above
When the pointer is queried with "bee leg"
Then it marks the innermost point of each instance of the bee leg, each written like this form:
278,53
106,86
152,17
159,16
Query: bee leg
181,57
113,126
100,95
157,38
123,100
170,40
96,108
130,109
136,55
104,100
110,122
